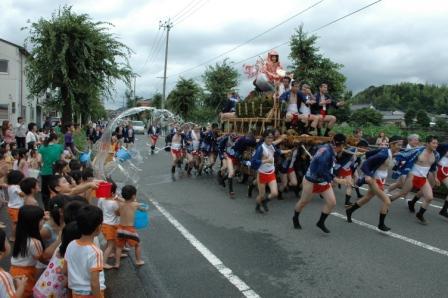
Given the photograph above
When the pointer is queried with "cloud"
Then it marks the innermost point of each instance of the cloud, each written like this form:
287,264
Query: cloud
390,42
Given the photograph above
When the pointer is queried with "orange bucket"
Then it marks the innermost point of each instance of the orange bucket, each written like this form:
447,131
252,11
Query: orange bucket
104,190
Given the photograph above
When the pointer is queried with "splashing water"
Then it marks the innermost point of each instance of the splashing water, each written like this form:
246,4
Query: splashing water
124,171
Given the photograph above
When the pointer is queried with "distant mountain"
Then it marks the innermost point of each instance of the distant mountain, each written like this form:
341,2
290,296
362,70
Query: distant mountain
405,96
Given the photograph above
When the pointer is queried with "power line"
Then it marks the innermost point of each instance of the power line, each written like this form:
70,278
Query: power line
183,9
154,53
315,30
192,11
252,39
155,43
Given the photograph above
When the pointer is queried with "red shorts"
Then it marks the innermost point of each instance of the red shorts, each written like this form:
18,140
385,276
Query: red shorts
442,173
266,178
319,188
234,160
418,182
380,183
295,117
196,153
344,173
323,113
177,153
154,138
291,170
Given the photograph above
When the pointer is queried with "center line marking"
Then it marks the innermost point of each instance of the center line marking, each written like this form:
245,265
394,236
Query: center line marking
395,235
208,255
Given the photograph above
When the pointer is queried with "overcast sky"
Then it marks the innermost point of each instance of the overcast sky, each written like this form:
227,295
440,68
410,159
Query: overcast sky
390,42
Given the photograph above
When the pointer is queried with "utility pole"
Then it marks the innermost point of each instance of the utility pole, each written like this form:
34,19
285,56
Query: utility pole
166,25
135,83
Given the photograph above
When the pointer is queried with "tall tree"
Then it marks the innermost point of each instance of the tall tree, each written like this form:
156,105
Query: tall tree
312,67
77,56
156,100
219,80
183,98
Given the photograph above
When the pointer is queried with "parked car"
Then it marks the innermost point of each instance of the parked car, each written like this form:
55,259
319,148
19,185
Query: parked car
138,126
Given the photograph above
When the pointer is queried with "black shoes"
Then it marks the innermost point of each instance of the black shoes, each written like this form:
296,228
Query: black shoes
383,228
411,206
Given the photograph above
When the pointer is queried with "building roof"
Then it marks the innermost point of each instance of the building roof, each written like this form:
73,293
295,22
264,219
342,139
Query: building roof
359,106
21,48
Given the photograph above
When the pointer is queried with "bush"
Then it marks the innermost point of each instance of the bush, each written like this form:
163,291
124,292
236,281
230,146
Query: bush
423,119
372,131
365,117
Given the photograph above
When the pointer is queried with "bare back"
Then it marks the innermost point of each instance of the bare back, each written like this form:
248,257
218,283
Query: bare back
127,212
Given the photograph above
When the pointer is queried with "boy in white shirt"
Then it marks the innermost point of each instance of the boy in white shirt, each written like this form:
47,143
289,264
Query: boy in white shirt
83,259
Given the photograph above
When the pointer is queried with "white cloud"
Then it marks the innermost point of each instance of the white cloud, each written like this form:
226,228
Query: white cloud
389,42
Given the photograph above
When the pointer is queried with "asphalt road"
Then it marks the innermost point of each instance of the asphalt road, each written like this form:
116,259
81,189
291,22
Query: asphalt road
207,245
268,255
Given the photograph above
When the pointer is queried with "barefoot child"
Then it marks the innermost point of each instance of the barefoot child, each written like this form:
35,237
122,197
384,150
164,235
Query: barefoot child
110,222
30,188
7,288
126,232
83,259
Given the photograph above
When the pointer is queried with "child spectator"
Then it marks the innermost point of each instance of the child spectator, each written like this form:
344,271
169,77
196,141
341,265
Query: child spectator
3,174
88,177
31,136
76,176
52,226
72,207
59,185
74,165
7,288
126,232
20,162
15,199
83,259
34,162
30,188
28,248
109,206
53,282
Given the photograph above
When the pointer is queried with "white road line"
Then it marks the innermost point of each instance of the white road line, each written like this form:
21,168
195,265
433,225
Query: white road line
211,258
401,198
395,235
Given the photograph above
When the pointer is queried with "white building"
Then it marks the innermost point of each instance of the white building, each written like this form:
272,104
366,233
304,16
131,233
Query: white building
15,99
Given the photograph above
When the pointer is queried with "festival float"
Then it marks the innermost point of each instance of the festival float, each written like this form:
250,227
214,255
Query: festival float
261,109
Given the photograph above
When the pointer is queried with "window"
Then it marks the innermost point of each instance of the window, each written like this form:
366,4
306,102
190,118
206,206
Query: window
13,107
3,66
4,112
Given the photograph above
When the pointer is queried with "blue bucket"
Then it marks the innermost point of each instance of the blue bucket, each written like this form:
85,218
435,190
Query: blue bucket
123,154
84,157
141,219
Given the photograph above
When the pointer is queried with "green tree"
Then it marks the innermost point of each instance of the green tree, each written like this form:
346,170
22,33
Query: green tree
423,119
366,116
182,100
76,56
219,80
441,123
156,100
409,117
311,67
